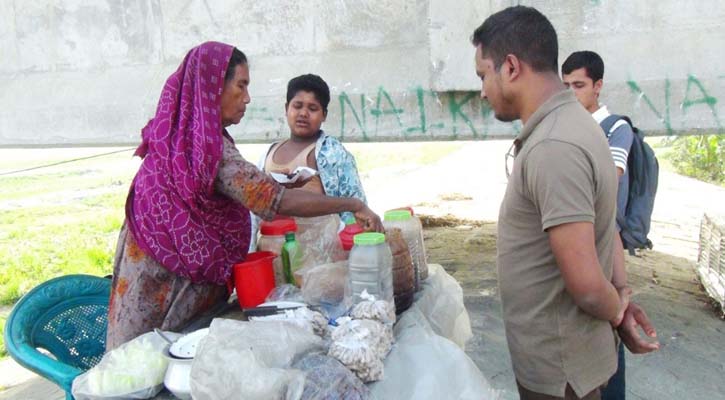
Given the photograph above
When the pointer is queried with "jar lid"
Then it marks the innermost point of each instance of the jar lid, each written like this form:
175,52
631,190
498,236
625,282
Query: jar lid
347,235
278,227
397,215
369,239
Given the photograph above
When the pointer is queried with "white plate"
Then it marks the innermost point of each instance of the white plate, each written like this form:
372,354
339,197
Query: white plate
299,173
185,347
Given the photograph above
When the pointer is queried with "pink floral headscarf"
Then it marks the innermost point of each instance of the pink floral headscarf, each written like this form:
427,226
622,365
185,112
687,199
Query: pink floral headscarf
172,209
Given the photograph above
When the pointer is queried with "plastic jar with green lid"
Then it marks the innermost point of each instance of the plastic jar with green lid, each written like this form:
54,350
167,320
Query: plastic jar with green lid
371,267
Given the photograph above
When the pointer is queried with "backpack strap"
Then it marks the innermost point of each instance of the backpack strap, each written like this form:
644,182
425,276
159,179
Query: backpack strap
609,122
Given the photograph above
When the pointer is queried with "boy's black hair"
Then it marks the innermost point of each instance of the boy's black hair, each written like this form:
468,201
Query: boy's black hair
310,83
589,60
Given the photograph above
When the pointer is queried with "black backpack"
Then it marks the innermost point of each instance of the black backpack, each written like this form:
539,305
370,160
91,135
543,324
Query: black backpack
643,170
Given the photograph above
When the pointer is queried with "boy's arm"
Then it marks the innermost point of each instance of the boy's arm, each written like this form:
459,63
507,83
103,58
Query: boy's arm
620,142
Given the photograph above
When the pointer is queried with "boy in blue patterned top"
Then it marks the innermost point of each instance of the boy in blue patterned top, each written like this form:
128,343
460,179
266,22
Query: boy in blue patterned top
308,97
308,146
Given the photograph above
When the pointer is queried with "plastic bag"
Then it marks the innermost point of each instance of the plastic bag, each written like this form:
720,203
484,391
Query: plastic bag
247,360
378,310
240,375
312,321
286,292
425,366
327,379
319,241
134,370
361,345
441,302
327,286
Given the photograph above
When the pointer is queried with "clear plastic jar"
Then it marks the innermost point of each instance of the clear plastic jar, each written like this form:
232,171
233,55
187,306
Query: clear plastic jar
403,270
422,256
371,267
402,219
272,239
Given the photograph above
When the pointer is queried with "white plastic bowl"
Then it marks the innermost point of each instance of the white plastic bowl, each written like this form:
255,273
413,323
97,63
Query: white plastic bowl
178,376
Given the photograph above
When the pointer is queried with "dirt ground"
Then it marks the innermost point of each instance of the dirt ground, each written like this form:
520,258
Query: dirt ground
461,194
690,363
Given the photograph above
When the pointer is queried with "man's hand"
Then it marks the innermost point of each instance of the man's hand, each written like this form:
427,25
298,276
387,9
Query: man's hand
634,317
624,294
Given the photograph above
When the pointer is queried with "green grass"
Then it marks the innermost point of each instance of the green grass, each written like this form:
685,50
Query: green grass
43,243
3,353
60,220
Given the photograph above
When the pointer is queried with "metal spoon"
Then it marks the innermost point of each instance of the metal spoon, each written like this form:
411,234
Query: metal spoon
163,336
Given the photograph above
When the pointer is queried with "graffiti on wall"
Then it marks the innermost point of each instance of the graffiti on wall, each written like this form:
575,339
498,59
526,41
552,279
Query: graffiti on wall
422,114
661,103
414,114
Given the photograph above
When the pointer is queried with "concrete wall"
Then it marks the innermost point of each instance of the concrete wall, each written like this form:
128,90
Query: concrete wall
90,71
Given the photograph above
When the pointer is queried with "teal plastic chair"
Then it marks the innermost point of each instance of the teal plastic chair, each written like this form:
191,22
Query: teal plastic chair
66,316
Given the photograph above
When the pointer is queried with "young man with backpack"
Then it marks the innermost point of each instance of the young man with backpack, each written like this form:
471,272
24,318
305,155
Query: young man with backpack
637,167
583,72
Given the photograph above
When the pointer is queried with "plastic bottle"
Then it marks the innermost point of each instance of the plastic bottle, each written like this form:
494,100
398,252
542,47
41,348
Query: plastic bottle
272,239
291,257
403,270
371,267
272,234
402,219
422,256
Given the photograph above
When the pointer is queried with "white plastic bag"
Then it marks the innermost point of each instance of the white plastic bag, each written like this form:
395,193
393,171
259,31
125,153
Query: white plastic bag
425,366
134,370
247,360
441,302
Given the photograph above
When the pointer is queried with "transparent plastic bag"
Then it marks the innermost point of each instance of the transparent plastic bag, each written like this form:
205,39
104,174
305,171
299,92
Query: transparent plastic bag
425,366
134,370
378,310
249,360
312,321
361,345
441,302
318,237
286,292
327,286
327,379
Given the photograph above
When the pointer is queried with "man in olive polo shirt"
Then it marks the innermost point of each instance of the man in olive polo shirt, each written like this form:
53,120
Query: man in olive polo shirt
557,220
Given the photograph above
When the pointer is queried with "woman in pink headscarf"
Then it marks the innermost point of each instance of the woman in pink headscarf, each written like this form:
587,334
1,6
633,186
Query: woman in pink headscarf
187,212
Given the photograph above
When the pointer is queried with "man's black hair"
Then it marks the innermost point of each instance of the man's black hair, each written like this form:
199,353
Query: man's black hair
522,31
